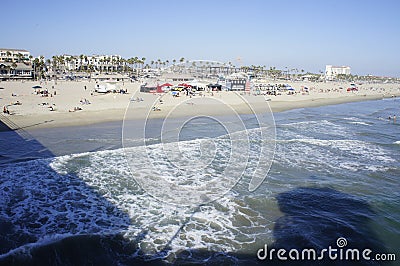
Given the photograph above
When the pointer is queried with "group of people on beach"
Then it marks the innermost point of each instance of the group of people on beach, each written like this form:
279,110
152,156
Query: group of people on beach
84,101
77,108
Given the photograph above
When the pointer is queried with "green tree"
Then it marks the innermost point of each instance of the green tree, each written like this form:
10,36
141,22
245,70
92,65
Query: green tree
9,55
143,61
20,57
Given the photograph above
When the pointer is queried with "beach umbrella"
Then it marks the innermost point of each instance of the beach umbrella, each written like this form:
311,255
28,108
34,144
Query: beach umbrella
37,87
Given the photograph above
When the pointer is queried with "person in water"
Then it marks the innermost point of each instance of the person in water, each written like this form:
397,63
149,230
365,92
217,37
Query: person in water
392,118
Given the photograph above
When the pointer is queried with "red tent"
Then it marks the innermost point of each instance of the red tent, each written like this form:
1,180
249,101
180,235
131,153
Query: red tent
159,89
167,85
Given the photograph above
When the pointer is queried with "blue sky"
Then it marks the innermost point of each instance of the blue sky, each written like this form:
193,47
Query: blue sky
295,34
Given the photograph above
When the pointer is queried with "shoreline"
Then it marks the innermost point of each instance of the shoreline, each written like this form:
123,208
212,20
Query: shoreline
30,110
87,118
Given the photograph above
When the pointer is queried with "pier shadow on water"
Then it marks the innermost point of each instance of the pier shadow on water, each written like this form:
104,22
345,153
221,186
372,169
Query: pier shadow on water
49,218
17,145
315,218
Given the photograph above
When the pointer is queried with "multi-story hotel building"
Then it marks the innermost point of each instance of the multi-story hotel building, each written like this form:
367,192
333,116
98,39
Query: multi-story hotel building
102,63
332,71
15,64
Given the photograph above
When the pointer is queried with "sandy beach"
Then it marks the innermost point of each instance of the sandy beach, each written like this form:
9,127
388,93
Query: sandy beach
29,110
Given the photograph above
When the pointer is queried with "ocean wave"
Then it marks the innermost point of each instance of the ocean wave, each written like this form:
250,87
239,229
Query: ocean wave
25,249
332,155
313,127
95,193
360,123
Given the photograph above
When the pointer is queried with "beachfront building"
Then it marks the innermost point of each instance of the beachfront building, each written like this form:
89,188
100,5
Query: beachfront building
15,64
14,55
236,82
99,63
331,72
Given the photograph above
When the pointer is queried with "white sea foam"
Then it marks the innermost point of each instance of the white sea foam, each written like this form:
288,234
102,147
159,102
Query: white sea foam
331,155
95,193
306,129
360,123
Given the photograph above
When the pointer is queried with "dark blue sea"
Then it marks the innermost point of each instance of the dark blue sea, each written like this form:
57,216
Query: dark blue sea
70,196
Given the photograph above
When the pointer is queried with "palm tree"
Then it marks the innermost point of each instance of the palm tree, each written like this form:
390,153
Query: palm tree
19,56
81,62
135,61
35,65
123,61
90,70
143,61
9,55
68,59
62,62
38,67
54,62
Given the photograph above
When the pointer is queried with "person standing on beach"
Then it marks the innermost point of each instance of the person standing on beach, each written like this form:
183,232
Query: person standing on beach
5,110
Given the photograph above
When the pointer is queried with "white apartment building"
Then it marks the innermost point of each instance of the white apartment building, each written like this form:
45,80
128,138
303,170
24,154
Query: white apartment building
15,64
14,55
102,63
332,71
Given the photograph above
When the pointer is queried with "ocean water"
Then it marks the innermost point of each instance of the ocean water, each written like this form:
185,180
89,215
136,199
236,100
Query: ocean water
70,196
